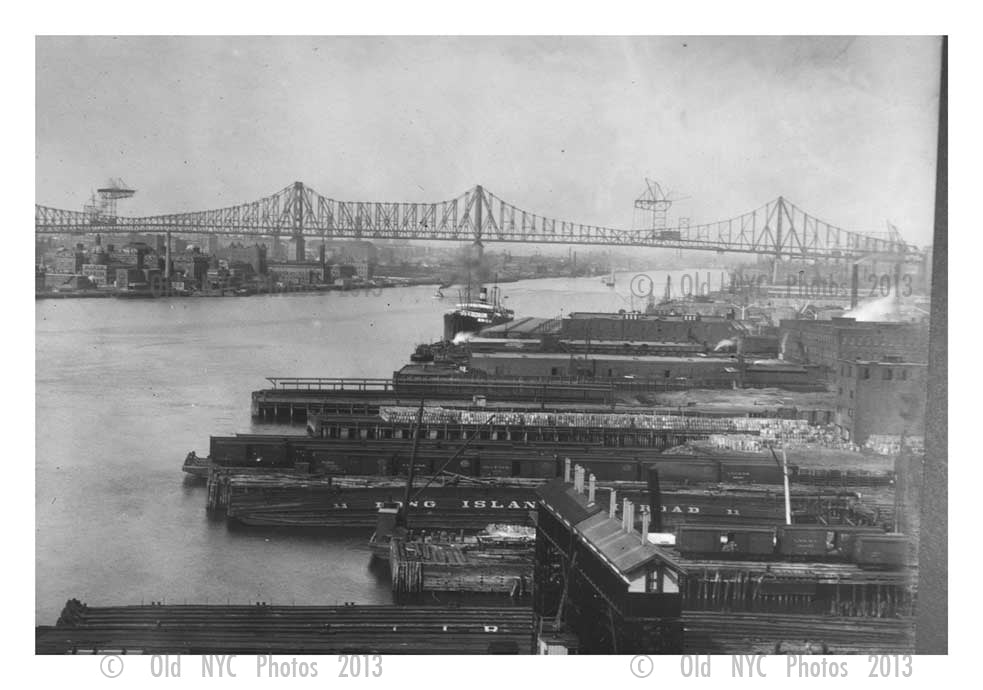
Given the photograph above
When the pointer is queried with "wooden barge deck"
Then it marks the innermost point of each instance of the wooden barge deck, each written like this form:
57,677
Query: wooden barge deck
264,629
726,632
418,567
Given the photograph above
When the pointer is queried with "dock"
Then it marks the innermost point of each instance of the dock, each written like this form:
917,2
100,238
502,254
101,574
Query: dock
592,569
841,590
266,629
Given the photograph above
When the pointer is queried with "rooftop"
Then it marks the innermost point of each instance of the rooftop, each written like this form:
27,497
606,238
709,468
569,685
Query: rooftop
623,551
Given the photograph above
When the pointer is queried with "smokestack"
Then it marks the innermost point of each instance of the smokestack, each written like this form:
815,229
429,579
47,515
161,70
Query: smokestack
625,510
854,285
566,470
578,479
591,489
613,507
645,524
655,499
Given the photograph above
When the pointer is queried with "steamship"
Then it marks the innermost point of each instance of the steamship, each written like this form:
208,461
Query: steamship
470,316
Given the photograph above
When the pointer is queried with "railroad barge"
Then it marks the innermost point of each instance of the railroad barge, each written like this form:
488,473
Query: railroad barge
272,499
528,456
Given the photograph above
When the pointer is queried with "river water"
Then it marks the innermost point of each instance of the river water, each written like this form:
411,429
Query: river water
125,388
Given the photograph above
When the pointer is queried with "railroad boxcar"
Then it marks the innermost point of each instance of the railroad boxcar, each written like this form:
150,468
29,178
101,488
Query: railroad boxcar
694,471
726,541
612,470
540,469
881,550
493,467
741,472
809,541
700,540
846,538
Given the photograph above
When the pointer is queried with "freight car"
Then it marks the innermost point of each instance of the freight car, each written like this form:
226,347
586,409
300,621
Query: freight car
691,470
868,547
534,459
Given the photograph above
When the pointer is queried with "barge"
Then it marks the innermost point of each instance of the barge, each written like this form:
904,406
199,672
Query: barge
271,499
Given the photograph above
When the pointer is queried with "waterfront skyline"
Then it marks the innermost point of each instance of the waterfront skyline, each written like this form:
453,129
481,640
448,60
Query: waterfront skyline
567,127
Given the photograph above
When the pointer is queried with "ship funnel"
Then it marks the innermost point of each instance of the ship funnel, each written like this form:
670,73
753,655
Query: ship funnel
483,294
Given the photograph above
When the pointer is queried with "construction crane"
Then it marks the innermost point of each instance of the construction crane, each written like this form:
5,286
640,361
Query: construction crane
102,203
656,201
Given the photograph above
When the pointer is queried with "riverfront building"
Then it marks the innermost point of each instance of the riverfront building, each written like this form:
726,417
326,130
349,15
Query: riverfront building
880,398
824,343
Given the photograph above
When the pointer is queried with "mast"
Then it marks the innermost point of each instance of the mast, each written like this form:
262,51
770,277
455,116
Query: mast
416,444
783,466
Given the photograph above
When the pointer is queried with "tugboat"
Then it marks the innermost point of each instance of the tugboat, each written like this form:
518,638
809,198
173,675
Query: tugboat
470,316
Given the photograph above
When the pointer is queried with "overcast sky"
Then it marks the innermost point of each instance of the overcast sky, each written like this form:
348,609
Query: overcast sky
564,127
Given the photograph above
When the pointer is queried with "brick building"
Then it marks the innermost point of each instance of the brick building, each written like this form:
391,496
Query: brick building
688,371
194,267
708,331
299,272
254,255
98,274
824,343
880,398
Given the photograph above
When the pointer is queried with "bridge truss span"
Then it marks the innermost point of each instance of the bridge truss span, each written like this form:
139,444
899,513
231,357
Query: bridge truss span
777,228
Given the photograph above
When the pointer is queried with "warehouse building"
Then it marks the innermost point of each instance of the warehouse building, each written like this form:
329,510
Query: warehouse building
880,398
824,343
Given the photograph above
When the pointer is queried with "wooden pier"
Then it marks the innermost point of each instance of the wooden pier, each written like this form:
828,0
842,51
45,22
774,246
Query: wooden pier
841,590
586,560
265,629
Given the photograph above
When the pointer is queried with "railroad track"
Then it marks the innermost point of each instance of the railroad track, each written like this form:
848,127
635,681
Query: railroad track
719,632
265,629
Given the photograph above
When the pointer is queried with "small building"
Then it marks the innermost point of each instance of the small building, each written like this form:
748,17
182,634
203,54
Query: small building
98,274
599,580
67,262
880,398
298,272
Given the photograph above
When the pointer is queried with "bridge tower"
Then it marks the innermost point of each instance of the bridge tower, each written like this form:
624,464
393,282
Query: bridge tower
780,211
298,222
477,247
